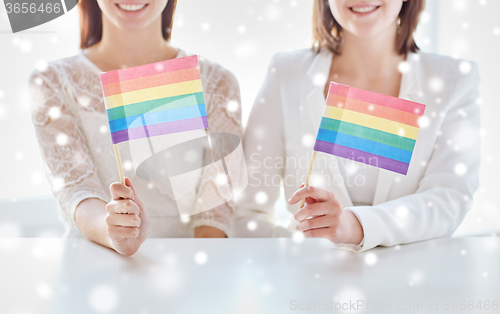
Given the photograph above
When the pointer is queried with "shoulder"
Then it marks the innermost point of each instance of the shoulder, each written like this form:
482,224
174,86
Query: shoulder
445,66
214,74
461,75
52,72
299,59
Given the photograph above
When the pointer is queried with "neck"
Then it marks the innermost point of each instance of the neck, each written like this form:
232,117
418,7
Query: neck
369,58
127,48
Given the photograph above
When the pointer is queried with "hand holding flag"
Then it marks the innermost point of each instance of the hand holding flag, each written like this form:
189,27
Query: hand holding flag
364,126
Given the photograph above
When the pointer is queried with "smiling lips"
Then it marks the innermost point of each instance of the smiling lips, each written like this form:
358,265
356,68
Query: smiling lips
364,8
131,6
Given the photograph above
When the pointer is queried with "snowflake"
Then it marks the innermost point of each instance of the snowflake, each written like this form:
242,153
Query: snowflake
319,79
44,291
298,236
252,225
41,65
402,211
261,197
36,178
232,106
308,140
54,112
460,5
201,258
25,46
370,259
127,165
205,27
425,17
221,179
465,67
404,67
19,156
436,84
424,122
460,169
58,184
242,29
103,298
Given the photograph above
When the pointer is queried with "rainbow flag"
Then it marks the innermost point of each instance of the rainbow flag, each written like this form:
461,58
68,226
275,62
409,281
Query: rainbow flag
368,127
154,99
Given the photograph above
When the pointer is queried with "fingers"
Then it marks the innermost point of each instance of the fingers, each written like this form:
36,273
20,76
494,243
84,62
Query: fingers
126,206
317,222
123,220
311,210
316,193
121,191
118,233
135,197
326,233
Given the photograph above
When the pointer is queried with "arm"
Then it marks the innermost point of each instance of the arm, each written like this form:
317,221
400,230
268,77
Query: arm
435,210
68,163
121,224
90,218
72,175
444,195
224,115
263,146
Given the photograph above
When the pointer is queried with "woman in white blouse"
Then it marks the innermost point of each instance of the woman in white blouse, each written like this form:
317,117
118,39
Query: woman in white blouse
368,45
72,129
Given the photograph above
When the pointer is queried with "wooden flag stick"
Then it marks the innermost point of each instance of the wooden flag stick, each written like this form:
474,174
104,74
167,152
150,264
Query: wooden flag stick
119,163
311,166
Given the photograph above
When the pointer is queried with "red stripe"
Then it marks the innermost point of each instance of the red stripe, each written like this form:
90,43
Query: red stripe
149,69
151,81
373,110
376,98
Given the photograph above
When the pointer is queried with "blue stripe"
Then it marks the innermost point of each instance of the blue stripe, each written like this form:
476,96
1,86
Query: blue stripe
156,117
365,145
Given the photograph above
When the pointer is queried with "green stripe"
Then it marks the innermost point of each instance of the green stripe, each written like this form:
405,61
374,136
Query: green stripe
367,133
151,105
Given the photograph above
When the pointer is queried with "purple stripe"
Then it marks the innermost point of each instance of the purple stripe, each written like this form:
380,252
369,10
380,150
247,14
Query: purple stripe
160,129
361,156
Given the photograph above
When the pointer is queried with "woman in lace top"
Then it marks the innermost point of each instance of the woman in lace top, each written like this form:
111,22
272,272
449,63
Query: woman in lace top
71,125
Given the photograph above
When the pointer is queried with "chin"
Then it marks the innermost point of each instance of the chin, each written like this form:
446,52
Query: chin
365,32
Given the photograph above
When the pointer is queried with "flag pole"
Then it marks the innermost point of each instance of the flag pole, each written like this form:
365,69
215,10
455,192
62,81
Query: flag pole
119,163
311,166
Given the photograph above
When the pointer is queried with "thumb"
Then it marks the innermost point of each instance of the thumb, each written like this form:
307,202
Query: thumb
135,197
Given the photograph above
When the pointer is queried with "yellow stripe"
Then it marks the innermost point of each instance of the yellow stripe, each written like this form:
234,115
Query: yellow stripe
153,93
373,122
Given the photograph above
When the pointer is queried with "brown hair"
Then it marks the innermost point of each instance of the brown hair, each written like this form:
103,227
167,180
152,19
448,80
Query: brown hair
91,22
327,31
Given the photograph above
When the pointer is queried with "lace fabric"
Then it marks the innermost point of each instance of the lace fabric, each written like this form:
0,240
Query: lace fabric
70,122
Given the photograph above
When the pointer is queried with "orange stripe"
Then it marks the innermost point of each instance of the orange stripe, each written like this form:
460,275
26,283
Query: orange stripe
373,110
151,81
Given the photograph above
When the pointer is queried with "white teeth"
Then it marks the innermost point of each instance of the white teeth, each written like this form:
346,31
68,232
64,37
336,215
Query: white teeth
363,9
131,7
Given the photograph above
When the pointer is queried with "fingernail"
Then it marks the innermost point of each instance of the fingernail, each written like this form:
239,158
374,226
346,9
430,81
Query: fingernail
290,200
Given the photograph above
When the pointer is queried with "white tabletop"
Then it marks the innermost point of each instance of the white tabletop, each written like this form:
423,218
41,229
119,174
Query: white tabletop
248,276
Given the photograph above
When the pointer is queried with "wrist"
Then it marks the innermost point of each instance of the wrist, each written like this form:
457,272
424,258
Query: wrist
355,232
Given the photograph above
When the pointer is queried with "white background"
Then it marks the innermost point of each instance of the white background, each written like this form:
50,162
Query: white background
242,35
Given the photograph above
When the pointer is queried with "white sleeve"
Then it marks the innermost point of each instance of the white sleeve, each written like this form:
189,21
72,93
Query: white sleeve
444,195
68,163
263,145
